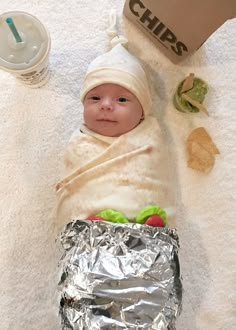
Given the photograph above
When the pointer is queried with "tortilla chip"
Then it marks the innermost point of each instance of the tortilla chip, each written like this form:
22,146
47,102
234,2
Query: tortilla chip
201,136
195,103
188,83
201,150
199,158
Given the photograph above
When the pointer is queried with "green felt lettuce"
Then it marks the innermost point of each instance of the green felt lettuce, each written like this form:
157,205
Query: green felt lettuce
197,93
146,212
113,216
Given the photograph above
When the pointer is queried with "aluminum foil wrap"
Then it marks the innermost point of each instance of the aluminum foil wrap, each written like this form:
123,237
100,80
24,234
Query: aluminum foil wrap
116,276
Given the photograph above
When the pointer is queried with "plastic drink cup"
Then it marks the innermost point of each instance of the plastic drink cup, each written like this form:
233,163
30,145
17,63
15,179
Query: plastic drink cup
24,48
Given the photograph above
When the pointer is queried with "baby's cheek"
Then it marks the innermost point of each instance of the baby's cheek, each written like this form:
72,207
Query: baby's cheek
136,119
87,116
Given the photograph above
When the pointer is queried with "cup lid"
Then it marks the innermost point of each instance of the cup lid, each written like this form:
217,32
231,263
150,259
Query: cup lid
35,41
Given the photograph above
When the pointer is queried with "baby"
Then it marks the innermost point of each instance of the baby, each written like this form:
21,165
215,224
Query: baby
117,159
117,276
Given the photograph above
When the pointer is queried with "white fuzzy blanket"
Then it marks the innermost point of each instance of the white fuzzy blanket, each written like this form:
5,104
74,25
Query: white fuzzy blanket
35,127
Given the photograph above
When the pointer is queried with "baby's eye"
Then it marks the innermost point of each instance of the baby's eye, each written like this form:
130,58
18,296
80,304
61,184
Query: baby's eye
95,98
122,99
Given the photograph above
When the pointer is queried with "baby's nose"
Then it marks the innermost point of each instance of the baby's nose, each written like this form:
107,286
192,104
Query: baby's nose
107,103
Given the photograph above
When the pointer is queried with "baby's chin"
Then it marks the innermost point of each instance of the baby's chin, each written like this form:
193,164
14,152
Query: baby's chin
110,130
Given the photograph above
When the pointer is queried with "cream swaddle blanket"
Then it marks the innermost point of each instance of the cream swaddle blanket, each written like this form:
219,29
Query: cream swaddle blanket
124,173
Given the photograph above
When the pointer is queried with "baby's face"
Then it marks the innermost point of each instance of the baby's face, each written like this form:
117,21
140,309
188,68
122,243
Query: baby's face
111,110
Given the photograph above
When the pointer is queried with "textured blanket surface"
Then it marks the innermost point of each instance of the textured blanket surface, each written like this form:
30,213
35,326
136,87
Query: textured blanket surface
35,127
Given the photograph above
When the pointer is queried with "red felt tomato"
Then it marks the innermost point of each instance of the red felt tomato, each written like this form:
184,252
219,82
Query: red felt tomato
95,217
155,221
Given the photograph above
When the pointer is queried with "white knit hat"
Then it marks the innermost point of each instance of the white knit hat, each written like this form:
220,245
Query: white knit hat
119,67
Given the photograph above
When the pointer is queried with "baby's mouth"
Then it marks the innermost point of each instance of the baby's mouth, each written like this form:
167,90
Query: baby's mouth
107,120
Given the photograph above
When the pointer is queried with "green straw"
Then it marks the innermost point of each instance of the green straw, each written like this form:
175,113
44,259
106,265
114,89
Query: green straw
13,29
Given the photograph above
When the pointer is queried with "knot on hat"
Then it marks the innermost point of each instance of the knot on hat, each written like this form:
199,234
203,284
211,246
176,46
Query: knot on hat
113,33
119,40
